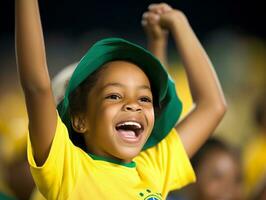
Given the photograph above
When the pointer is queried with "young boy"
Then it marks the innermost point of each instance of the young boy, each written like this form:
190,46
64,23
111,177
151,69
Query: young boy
123,104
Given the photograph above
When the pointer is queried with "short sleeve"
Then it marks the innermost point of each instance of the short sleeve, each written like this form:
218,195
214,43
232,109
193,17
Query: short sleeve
170,162
177,169
59,168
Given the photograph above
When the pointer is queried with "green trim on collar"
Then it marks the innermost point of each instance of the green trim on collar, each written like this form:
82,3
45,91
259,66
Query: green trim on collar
5,197
131,164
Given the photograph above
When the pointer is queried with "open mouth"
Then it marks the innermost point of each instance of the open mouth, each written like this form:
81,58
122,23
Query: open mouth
129,130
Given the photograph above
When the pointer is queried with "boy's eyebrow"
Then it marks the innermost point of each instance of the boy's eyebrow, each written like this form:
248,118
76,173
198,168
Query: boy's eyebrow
121,85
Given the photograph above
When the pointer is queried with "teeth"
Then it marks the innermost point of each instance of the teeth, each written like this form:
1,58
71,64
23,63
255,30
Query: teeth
130,124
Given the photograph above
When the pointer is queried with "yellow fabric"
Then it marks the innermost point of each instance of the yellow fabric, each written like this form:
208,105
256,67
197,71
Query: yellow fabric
254,165
36,195
70,173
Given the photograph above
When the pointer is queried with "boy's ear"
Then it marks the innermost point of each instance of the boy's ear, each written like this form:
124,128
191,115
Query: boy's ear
79,123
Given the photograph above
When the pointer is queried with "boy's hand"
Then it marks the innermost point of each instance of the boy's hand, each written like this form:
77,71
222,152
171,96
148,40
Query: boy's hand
151,23
162,17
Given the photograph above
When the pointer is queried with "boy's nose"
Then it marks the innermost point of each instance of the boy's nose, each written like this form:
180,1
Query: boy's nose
132,107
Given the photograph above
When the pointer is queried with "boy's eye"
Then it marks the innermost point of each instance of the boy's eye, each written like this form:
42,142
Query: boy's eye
146,99
113,97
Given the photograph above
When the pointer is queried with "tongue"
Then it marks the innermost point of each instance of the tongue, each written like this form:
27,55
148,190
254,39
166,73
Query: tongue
127,133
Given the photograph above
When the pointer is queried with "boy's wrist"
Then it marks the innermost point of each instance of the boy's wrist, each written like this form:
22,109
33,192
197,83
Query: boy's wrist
179,21
156,45
161,41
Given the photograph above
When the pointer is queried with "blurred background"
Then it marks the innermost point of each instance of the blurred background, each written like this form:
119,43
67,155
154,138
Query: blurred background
232,32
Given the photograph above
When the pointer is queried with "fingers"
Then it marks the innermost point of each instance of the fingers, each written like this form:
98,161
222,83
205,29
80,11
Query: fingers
149,18
151,21
152,16
155,10
160,8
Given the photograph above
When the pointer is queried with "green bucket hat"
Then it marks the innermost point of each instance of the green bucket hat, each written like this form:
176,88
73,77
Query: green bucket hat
163,88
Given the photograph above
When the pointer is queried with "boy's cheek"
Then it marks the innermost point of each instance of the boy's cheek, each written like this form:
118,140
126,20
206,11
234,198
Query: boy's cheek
151,116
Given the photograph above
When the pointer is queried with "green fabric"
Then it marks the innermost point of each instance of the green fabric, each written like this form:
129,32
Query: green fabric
131,164
163,87
5,197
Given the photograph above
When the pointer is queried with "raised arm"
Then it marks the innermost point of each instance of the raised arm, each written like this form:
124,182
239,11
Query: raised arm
210,105
34,77
157,37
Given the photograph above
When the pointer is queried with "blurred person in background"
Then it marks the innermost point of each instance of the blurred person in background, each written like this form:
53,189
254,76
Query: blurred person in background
15,178
219,173
254,154
60,81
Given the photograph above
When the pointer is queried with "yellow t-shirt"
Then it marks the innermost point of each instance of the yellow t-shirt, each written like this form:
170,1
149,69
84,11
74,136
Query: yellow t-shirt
71,173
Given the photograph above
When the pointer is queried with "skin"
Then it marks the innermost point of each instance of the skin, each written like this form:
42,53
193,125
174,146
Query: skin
219,177
118,95
209,101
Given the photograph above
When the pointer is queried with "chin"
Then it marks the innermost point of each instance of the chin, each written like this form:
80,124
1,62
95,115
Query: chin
127,154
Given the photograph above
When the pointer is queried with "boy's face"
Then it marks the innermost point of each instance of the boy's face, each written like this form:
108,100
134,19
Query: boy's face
120,114
219,177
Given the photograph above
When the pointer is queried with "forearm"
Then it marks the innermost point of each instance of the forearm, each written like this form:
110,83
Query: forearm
159,48
30,50
204,84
